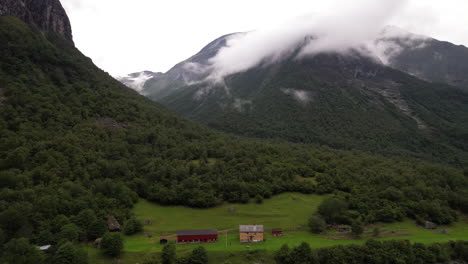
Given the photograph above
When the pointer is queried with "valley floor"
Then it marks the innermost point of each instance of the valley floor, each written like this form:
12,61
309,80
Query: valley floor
289,211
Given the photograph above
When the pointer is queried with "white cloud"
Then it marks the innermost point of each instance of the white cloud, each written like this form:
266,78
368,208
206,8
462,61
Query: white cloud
355,25
136,81
127,36
301,96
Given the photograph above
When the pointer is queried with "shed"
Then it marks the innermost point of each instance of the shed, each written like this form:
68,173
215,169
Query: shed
251,233
277,232
112,224
197,236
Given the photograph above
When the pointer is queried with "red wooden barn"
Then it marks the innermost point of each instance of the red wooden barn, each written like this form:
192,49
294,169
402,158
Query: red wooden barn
197,236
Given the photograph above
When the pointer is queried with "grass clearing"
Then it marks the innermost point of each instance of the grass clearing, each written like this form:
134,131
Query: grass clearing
289,211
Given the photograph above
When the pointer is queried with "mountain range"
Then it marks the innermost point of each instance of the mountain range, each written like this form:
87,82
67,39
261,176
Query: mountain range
413,104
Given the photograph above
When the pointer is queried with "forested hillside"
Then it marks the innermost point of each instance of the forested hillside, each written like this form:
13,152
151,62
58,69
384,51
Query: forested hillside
77,146
346,101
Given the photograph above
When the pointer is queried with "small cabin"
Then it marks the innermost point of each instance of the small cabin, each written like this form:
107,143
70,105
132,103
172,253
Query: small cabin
197,236
251,233
277,232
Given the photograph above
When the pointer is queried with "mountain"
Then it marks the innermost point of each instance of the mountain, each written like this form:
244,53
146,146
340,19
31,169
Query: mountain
429,59
348,102
160,85
46,15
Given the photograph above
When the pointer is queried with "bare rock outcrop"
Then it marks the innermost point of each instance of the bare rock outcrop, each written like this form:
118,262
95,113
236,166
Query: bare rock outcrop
46,15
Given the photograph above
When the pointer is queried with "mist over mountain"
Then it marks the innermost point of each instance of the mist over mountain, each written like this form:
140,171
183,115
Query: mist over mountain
348,98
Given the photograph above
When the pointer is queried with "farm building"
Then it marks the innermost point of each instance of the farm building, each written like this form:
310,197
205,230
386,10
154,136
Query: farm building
251,233
277,232
197,236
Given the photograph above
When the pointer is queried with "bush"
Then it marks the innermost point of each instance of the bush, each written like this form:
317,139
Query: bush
169,254
69,232
198,256
69,254
316,224
376,232
112,244
357,228
259,199
132,226
333,209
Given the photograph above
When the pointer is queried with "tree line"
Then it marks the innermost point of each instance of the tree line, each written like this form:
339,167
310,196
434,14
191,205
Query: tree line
375,252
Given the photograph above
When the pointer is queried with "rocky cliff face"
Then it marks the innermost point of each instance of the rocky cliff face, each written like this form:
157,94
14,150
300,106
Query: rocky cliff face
47,15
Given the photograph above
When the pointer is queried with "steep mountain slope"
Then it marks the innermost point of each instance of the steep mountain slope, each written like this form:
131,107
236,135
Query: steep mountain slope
435,61
344,101
161,85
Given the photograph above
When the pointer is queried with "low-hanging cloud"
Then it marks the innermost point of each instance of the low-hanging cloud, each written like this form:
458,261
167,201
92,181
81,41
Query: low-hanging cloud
350,25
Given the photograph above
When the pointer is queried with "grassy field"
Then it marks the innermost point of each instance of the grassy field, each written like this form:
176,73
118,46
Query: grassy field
289,211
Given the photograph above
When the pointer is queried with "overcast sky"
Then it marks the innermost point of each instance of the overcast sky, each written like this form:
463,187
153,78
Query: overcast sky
124,36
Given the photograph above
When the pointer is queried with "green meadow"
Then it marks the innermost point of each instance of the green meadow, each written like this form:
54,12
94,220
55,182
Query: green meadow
289,211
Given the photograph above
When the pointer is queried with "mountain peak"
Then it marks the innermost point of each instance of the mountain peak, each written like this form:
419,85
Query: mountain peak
46,15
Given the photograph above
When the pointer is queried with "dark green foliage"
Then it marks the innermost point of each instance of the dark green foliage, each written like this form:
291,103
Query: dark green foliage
316,224
20,251
259,199
2,238
393,251
283,255
198,256
67,253
353,103
357,228
376,232
132,226
302,254
168,255
112,244
70,232
333,210
90,224
96,229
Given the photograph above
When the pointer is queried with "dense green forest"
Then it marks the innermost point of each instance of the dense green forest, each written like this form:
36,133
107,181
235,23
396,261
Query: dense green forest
77,146
348,102
375,252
